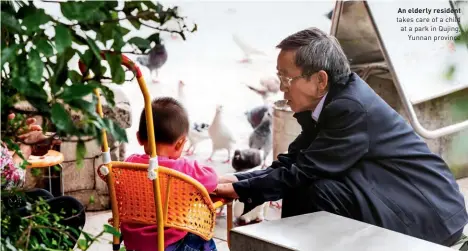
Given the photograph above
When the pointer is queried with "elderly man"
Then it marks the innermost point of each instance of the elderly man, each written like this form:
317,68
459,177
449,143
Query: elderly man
355,157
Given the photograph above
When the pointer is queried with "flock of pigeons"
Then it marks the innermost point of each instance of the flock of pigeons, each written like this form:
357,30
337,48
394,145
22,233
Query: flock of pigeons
222,137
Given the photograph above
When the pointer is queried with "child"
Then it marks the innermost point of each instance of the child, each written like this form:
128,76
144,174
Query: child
171,127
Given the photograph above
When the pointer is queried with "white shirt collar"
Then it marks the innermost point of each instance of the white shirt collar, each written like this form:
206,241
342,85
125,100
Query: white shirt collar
318,109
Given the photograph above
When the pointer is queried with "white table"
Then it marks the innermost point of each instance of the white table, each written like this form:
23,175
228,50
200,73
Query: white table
323,231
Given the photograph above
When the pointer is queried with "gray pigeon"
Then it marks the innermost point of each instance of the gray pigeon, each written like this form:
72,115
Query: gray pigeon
155,59
255,115
246,159
261,137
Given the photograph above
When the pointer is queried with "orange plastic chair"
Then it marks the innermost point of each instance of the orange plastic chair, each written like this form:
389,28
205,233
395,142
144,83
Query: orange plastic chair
153,194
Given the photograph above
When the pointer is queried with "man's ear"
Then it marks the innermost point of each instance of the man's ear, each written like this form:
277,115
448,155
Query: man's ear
322,82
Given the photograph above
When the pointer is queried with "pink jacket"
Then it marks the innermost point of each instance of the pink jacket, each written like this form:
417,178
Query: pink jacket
144,237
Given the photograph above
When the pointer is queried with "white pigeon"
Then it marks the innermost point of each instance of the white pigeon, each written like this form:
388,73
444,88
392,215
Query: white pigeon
257,214
269,86
181,94
247,49
221,136
198,132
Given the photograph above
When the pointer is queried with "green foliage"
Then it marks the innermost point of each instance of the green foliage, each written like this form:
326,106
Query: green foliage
35,50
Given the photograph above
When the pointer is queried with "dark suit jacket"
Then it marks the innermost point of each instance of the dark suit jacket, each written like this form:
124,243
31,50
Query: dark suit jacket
360,140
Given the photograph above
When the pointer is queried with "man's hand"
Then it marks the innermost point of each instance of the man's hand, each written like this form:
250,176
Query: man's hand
226,190
228,178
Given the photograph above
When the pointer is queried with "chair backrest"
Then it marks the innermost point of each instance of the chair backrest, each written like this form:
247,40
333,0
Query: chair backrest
186,203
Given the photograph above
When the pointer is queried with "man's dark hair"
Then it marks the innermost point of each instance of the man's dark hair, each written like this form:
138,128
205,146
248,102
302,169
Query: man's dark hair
315,51
170,121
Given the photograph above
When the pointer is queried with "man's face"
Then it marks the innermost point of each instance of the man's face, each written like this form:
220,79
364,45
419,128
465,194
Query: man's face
301,93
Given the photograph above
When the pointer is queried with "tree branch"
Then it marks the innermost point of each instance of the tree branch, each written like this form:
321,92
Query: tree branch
160,29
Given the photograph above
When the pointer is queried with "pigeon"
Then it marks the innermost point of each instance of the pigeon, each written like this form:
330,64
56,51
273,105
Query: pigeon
246,159
255,115
181,94
261,137
156,58
198,132
255,215
247,49
221,136
268,86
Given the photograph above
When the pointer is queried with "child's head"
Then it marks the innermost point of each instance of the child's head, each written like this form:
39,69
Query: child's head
171,127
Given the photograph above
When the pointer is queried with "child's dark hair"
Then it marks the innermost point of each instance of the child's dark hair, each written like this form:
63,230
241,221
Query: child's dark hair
170,121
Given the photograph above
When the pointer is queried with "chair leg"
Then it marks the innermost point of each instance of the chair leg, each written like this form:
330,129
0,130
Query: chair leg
229,223
116,241
50,182
61,180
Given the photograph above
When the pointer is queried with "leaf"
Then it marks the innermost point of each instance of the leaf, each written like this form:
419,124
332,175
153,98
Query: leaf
72,10
82,244
86,12
195,28
20,83
107,31
63,38
152,6
80,153
83,105
94,48
136,23
118,133
115,63
141,43
78,39
86,57
74,76
111,230
123,31
108,95
9,53
88,238
182,35
61,119
111,4
10,22
155,38
118,42
35,67
43,46
34,20
75,92
450,72
91,199
60,70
